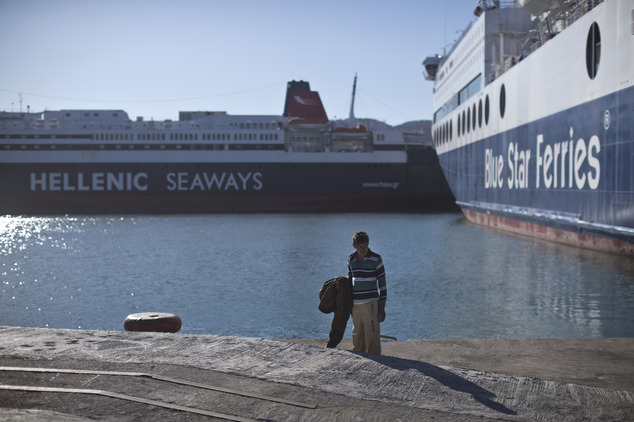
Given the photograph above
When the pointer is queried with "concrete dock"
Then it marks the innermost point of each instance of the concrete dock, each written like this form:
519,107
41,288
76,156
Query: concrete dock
77,375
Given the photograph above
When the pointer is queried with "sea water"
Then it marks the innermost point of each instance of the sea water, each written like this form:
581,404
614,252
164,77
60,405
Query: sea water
258,275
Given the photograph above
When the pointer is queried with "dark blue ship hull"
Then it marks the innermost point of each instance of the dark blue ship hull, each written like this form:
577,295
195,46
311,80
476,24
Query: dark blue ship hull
41,188
567,177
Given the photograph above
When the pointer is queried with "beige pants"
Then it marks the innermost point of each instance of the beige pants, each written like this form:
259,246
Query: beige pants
366,331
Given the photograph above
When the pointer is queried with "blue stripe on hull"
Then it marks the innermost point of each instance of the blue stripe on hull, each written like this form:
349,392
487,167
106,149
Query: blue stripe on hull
571,170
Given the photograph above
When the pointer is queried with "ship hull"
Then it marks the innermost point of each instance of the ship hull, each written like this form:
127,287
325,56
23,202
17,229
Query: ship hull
190,187
521,180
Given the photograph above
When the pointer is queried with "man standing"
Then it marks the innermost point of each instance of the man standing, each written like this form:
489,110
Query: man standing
369,293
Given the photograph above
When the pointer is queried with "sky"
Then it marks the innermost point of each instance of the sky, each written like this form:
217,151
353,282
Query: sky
156,58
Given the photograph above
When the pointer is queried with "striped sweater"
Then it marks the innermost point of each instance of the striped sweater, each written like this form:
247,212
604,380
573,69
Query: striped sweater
368,278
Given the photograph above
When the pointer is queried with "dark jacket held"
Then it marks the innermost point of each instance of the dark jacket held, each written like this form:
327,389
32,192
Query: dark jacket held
336,296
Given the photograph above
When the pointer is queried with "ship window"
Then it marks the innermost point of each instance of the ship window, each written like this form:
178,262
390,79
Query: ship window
593,50
480,113
464,120
474,116
450,129
502,101
470,89
486,110
458,125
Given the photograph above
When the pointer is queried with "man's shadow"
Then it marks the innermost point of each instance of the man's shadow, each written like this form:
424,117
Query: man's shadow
445,377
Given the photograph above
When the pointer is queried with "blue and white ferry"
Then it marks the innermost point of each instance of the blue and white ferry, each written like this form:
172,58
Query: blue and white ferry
534,120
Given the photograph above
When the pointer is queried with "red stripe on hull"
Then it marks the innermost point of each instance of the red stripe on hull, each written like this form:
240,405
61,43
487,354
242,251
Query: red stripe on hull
549,233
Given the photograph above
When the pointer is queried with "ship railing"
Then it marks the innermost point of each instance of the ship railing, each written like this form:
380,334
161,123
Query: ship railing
554,22
508,4
569,13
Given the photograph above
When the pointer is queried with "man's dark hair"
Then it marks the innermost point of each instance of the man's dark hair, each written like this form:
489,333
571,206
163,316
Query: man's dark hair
360,238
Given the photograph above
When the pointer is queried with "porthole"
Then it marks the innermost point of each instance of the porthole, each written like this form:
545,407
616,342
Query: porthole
502,101
463,122
480,113
468,120
458,125
450,129
486,110
593,50
474,116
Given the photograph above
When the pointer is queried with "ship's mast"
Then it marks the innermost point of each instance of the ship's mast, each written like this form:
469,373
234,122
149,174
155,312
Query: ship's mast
354,90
